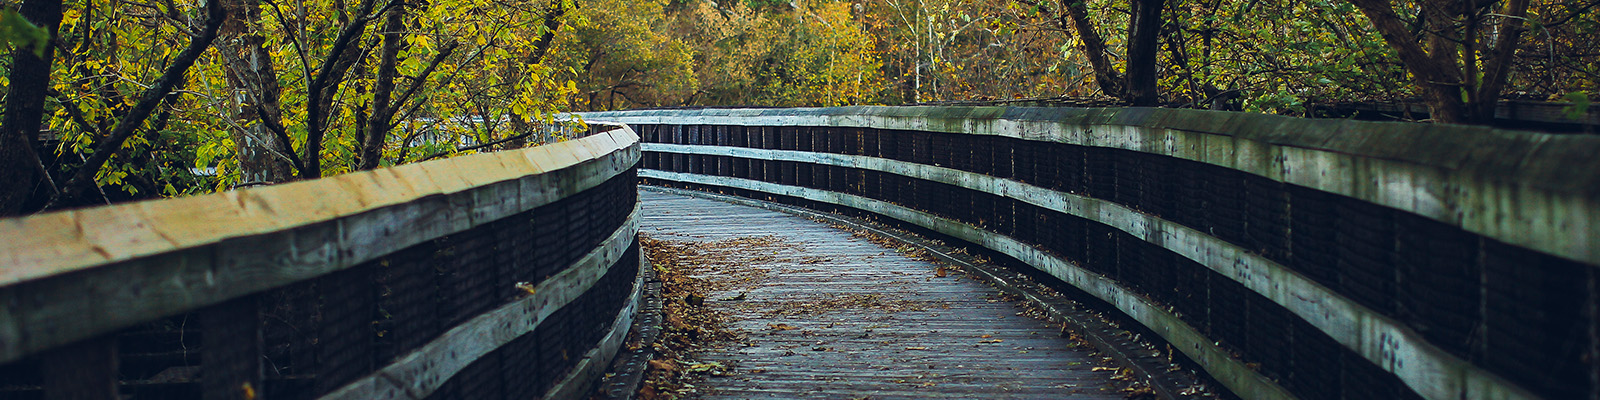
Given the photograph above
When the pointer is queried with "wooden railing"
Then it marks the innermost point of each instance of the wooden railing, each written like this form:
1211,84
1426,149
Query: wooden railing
506,274
1319,259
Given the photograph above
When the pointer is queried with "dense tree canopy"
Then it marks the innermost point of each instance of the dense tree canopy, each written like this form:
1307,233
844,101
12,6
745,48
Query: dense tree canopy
109,101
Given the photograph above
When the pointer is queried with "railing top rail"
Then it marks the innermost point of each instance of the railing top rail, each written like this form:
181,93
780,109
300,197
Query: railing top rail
65,241
104,268
1531,189
1556,162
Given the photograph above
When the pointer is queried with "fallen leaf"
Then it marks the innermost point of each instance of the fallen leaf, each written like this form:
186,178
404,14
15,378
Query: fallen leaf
705,367
916,348
663,365
526,287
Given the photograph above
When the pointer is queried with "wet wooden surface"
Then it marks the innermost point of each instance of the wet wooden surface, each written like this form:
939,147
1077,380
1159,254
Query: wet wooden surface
828,314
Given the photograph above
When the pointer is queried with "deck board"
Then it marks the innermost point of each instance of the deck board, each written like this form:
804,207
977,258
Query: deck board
952,337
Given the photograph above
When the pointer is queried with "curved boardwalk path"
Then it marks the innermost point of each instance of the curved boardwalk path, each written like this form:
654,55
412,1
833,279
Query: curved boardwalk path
829,314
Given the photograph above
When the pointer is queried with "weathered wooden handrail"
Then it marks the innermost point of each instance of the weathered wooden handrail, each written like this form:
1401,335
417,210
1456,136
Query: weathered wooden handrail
1467,176
82,274
1287,210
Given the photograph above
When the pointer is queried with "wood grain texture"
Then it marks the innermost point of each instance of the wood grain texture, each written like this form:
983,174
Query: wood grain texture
1217,362
940,337
77,274
1534,190
1393,345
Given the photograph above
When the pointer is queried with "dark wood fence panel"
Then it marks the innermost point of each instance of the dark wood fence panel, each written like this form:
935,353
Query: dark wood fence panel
506,275
1517,319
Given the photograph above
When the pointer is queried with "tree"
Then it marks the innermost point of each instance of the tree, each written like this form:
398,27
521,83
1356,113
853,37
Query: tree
323,87
137,105
1459,52
292,91
146,104
262,145
1144,27
819,57
623,55
386,105
1093,47
808,53
21,172
1144,33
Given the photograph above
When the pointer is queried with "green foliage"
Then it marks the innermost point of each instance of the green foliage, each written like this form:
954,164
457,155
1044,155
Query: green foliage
821,60
1280,55
805,53
17,31
486,71
766,5
1580,105
623,56
462,61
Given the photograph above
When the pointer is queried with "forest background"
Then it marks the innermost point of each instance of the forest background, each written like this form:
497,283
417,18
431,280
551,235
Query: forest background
115,100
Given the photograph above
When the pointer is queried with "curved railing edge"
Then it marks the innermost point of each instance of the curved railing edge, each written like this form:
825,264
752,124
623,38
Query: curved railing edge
1385,342
1455,174
424,370
72,275
1231,372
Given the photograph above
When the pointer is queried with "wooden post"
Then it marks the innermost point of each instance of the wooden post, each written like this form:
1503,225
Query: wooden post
82,371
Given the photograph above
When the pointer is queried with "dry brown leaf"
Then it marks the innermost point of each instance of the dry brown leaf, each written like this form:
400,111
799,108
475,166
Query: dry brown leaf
661,365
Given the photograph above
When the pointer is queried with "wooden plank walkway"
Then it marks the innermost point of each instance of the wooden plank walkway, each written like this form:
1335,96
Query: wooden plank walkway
828,314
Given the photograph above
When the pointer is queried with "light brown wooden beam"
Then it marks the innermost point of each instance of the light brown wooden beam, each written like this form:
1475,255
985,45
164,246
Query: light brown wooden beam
72,275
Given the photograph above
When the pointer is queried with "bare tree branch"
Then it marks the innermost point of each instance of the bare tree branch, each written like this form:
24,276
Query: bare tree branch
148,100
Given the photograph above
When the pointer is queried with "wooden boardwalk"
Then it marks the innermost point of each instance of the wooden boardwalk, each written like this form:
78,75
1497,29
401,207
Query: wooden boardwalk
824,313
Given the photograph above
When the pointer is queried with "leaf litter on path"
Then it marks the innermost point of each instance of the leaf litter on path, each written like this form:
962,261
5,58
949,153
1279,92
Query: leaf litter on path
691,273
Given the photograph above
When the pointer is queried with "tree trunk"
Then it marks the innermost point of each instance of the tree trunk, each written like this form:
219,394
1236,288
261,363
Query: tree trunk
1438,72
383,89
1446,92
1093,47
321,89
262,153
552,23
1144,32
20,172
1498,65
